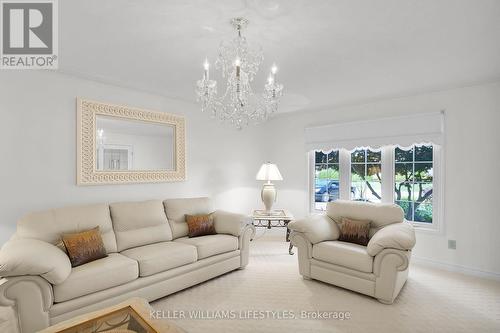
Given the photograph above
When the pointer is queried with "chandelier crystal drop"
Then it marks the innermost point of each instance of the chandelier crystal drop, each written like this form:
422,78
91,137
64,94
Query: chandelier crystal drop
239,64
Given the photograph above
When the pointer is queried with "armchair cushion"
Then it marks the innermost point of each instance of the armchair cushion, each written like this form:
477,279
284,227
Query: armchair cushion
26,256
230,223
316,228
400,236
345,254
380,214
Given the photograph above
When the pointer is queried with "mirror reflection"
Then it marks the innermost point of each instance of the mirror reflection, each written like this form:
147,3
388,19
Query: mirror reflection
126,144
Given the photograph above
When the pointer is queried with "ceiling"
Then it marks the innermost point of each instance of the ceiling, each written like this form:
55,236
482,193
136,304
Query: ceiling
329,52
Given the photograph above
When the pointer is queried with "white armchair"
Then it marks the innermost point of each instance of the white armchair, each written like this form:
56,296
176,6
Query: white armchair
379,269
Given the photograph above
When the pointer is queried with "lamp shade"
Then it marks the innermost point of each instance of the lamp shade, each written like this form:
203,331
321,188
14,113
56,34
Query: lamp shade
269,171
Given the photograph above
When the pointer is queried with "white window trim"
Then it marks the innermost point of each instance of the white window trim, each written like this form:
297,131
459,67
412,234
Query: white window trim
311,156
388,174
437,195
344,181
345,174
387,184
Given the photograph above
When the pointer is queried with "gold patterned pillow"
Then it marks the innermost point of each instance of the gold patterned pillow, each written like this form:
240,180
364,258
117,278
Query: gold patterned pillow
84,247
60,245
354,231
200,225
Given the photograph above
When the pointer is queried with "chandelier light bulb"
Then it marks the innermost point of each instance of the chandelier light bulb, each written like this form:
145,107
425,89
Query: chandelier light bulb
270,79
206,67
237,63
274,69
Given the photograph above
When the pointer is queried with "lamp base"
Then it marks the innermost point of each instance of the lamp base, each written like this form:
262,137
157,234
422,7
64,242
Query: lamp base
268,195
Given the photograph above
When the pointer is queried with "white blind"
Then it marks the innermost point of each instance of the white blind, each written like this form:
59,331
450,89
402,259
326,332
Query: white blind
375,133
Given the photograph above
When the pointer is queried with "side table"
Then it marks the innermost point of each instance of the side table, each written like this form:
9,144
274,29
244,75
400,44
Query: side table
275,218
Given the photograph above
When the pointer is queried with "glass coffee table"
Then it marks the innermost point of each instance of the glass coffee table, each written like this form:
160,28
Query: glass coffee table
132,316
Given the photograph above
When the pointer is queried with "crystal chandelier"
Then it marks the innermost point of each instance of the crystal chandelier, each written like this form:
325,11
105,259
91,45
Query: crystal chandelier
239,64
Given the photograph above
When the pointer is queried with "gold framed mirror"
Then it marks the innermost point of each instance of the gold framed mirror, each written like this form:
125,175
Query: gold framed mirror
119,145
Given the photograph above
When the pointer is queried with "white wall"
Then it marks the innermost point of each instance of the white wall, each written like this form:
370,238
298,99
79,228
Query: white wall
37,168
472,157
38,157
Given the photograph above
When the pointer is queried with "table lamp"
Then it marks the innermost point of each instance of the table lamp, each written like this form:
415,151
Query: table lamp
268,171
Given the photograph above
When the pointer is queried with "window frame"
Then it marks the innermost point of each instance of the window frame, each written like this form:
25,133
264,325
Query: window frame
312,177
388,180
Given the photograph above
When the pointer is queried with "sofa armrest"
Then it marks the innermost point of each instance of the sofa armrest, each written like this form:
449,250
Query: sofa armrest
399,236
231,223
34,257
31,297
304,247
396,260
390,268
247,234
300,241
316,228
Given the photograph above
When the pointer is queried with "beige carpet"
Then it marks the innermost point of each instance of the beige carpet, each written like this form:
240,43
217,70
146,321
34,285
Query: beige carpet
431,301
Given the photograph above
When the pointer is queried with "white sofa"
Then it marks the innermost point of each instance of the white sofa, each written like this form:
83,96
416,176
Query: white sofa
149,255
379,269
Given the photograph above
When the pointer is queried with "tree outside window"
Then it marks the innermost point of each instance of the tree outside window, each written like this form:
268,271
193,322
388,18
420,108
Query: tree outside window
413,176
366,175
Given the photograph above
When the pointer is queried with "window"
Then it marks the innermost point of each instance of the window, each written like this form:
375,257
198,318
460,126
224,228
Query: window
366,175
413,182
326,178
407,176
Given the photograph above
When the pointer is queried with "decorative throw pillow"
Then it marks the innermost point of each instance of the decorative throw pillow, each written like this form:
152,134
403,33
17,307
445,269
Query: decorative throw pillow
84,247
200,225
354,231
60,245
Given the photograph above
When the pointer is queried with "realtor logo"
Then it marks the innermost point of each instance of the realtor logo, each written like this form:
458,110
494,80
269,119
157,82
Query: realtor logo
29,34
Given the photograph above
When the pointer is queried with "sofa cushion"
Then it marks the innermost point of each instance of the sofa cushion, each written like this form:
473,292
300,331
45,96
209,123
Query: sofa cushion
211,245
159,257
112,271
349,255
139,223
49,225
176,210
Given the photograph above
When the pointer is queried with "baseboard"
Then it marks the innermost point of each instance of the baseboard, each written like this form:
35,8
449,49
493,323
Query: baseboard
457,268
